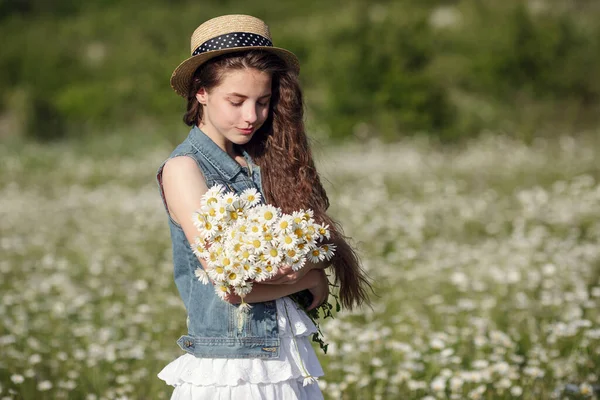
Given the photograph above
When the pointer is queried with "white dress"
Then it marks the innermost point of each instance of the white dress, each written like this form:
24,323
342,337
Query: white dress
291,376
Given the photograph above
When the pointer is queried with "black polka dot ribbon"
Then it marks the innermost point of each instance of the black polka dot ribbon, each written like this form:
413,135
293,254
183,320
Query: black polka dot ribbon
234,39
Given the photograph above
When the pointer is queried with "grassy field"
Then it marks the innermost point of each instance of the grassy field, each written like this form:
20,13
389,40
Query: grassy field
485,258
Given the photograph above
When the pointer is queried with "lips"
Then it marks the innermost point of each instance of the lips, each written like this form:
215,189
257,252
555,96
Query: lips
245,131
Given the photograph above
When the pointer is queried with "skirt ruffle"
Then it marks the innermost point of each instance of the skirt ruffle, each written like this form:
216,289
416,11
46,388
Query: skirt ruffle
291,376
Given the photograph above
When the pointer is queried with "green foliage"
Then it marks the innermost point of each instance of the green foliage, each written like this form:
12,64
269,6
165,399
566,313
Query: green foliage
448,69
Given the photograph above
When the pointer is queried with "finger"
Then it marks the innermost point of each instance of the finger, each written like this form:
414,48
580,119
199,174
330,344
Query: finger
317,300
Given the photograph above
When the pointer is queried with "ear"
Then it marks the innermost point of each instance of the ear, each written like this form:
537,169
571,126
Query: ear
201,96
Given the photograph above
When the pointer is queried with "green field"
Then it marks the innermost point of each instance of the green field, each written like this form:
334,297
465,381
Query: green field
485,258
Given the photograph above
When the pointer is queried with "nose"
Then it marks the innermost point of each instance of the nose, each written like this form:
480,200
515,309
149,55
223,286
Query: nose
250,114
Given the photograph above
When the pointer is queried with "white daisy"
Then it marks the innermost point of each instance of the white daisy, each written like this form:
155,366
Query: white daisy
291,256
284,224
213,194
268,214
260,274
323,231
269,237
217,273
273,255
270,270
315,255
299,231
298,264
297,217
307,215
328,250
246,256
206,228
202,276
257,245
213,256
210,211
232,216
221,211
234,277
243,288
254,229
200,248
288,241
198,219
231,200
222,290
251,197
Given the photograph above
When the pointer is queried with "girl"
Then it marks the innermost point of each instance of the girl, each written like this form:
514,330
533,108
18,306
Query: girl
245,108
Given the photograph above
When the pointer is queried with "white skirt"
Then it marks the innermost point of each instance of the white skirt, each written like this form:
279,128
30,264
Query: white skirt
291,376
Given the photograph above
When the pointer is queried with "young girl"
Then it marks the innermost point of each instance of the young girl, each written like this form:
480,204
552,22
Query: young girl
245,108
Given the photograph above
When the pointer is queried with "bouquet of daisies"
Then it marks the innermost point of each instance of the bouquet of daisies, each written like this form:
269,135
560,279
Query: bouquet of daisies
244,241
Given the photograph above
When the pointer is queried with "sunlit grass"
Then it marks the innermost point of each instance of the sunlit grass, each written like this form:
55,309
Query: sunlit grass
485,260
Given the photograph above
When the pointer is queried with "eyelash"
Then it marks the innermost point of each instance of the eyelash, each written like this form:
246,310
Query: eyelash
239,104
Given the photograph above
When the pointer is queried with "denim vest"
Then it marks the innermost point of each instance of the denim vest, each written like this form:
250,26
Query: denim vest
216,328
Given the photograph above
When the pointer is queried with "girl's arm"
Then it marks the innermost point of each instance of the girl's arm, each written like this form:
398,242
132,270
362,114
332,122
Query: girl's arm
315,281
286,275
183,187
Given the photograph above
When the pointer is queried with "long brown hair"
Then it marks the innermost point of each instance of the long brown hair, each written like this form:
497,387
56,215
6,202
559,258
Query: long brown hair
280,147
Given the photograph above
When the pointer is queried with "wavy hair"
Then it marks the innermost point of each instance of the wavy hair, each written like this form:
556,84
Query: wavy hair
280,148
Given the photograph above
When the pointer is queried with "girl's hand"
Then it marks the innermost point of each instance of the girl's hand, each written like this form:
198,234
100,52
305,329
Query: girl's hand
286,275
319,288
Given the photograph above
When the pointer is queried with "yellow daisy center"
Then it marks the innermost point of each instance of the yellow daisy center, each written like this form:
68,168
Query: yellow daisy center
256,243
268,237
268,215
219,270
226,261
291,253
288,240
315,252
208,226
273,252
251,197
283,224
232,276
211,200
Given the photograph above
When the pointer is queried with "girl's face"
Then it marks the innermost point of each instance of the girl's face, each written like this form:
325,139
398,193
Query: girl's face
235,109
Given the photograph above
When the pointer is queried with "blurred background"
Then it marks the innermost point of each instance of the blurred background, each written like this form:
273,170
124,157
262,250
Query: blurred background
457,141
444,68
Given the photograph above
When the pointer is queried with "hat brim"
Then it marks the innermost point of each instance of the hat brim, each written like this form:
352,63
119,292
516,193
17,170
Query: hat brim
182,76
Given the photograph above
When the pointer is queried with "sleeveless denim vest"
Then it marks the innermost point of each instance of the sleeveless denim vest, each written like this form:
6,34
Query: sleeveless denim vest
216,328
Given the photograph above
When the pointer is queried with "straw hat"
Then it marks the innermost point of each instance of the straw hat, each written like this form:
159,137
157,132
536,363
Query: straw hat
226,34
